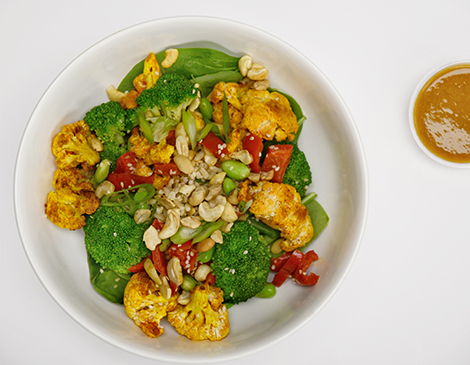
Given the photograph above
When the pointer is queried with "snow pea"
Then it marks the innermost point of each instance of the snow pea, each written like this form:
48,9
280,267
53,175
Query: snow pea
205,256
317,214
207,230
185,234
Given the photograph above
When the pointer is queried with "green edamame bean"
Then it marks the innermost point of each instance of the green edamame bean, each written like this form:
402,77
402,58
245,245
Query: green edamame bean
228,185
102,171
235,169
205,107
189,283
268,291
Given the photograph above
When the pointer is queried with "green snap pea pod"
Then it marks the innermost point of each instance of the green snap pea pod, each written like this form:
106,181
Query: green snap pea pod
264,229
268,291
102,171
189,283
207,230
228,185
140,195
184,234
205,107
235,170
166,243
206,256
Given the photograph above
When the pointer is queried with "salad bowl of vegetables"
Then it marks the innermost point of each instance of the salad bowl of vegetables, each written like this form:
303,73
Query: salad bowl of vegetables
199,195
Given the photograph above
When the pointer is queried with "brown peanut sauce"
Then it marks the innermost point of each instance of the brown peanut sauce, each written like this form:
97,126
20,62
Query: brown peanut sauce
442,114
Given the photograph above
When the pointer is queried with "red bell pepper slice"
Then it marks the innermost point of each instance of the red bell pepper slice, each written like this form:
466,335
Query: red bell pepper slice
277,158
288,268
158,258
138,267
167,169
171,138
215,145
186,253
123,180
123,176
301,277
278,262
254,145
210,279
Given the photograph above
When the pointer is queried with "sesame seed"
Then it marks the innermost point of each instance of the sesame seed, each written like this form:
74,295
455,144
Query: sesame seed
273,267
245,252
115,234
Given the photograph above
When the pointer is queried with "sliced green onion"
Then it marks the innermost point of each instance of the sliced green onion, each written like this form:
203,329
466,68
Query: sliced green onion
190,127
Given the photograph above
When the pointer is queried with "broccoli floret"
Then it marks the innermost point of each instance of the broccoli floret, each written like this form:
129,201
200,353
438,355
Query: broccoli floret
114,240
241,264
298,173
110,124
170,95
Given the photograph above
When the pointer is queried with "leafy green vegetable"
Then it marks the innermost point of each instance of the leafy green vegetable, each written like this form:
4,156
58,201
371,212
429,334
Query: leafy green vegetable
318,215
107,282
205,66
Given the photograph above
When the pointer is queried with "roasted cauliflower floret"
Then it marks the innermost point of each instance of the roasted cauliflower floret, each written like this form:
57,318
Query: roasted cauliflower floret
268,115
204,317
230,90
72,179
236,115
72,147
66,208
150,153
144,304
280,206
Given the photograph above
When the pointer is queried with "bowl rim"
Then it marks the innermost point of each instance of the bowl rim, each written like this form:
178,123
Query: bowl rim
428,75
362,213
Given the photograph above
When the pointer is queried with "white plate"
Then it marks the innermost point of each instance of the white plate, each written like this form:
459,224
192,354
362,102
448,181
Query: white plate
329,138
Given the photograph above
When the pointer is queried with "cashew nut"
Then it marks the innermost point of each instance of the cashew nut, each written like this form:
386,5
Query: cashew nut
171,55
141,215
229,214
198,195
242,156
244,64
151,238
105,188
202,272
217,236
182,145
114,94
209,214
214,190
174,270
184,164
217,178
172,224
190,222
257,72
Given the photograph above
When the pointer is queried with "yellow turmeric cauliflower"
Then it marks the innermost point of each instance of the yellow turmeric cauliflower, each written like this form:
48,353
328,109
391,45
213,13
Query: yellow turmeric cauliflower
204,317
144,304
150,153
280,206
74,197
66,208
149,76
268,115
230,90
72,147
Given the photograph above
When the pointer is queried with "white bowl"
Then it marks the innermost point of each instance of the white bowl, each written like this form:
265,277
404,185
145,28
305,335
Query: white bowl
330,140
411,118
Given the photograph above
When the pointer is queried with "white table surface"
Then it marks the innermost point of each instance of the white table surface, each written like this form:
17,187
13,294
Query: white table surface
406,298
